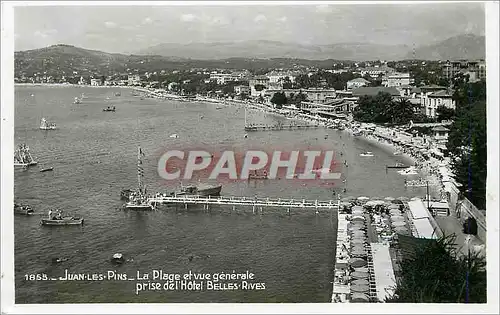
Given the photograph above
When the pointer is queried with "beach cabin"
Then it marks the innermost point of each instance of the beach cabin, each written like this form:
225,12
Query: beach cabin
440,134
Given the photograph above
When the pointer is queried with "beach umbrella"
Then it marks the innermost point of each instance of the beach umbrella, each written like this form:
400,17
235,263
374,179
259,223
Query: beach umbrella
357,241
358,297
389,198
370,203
403,198
358,218
359,288
358,247
363,198
360,275
361,282
394,206
402,230
362,269
414,198
398,223
357,262
397,218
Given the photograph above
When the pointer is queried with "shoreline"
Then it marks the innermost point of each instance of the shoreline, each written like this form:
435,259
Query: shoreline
378,137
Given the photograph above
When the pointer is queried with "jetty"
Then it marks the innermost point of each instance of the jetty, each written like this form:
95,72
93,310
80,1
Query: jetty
277,127
253,202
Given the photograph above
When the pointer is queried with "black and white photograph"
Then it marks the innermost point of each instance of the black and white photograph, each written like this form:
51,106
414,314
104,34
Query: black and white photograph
324,154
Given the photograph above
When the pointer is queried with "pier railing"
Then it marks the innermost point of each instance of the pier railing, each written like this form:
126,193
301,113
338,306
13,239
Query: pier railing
246,201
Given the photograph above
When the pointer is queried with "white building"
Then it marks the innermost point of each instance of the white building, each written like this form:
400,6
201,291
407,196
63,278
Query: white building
396,79
240,89
356,83
134,79
223,78
258,85
280,76
95,82
432,101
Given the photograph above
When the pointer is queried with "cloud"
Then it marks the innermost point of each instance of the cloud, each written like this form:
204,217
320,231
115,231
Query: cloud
147,20
45,33
324,8
260,18
188,17
282,19
110,24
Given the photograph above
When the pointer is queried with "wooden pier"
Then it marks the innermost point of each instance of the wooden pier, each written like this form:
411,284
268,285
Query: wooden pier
246,201
280,127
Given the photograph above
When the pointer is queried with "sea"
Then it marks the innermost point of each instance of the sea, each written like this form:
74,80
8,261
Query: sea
94,156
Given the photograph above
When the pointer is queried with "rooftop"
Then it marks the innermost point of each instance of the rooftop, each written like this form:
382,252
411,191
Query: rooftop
361,80
372,91
442,93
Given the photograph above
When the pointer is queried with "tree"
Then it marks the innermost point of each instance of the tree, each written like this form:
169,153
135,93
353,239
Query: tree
445,113
259,87
437,273
467,141
279,99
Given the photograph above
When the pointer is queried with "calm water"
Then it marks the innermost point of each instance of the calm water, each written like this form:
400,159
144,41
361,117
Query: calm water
94,155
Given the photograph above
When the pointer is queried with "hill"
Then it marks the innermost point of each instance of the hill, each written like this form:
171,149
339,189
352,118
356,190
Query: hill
466,46
276,49
70,60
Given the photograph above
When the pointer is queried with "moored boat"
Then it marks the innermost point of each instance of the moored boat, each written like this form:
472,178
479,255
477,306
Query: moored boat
77,100
138,200
23,209
203,190
48,169
367,153
109,109
62,221
125,194
45,125
22,156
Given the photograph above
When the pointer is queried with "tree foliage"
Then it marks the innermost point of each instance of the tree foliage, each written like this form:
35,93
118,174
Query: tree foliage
437,273
383,109
279,99
445,113
467,141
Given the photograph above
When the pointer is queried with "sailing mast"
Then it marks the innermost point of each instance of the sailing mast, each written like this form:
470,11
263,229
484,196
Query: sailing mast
140,170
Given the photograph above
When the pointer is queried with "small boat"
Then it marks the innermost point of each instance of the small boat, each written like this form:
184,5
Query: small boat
175,136
109,109
77,100
397,153
397,165
62,221
48,169
45,125
200,190
125,194
139,202
409,171
118,258
22,157
118,94
367,153
23,209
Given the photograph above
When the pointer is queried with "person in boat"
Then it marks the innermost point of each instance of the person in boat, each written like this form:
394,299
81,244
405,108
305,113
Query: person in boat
50,214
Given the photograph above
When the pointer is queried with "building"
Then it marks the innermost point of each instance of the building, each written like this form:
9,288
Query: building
373,91
440,134
242,89
356,83
430,102
477,68
374,71
319,95
281,76
134,79
396,79
258,85
95,82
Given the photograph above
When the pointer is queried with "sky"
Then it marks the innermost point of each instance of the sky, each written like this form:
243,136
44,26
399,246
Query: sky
128,29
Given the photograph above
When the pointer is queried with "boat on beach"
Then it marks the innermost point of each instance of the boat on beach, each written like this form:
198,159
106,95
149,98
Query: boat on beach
22,157
23,209
45,125
409,171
